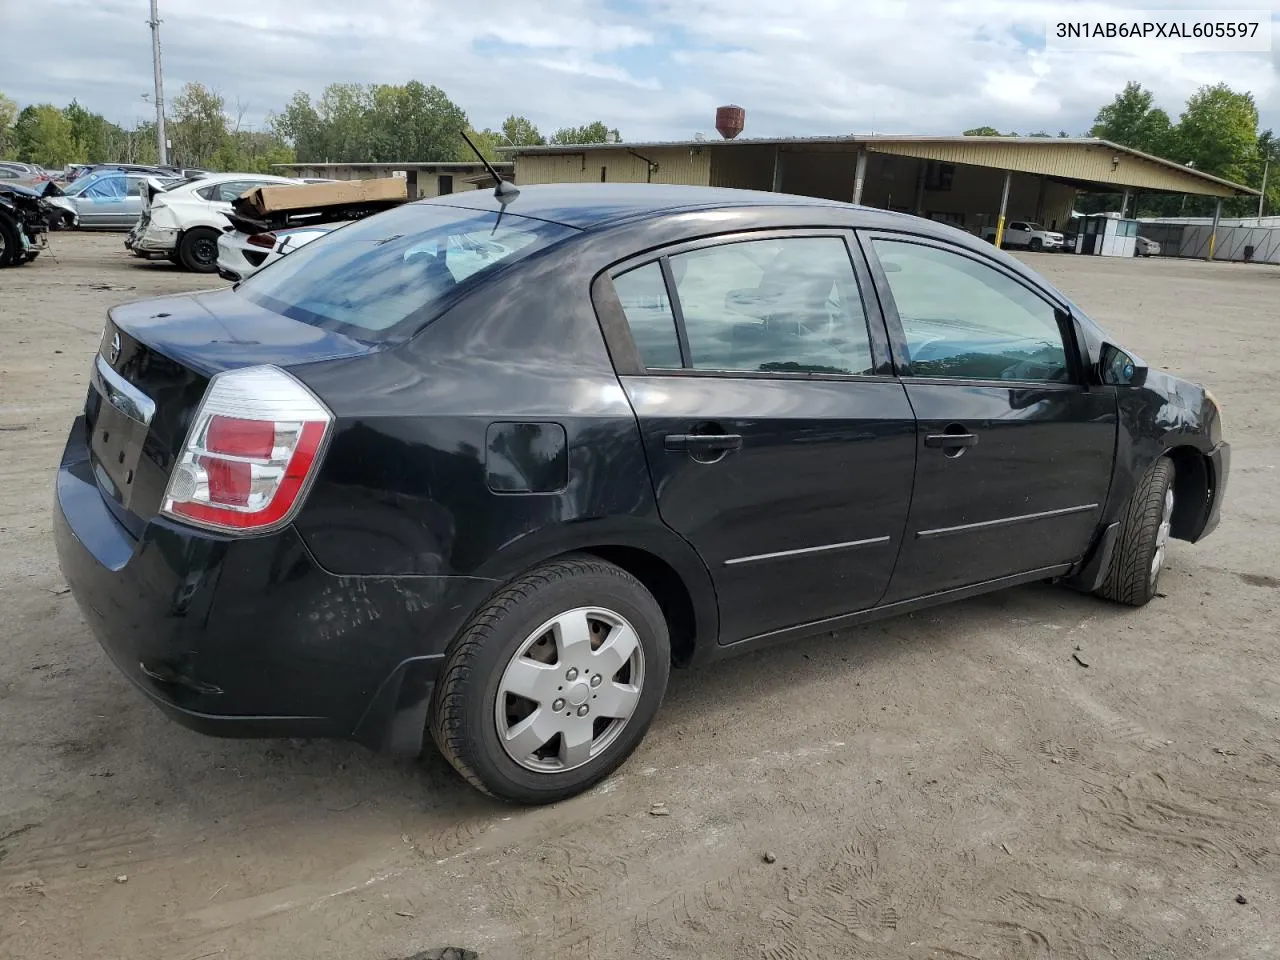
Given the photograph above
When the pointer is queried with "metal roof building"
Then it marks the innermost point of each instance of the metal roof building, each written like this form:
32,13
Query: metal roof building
971,182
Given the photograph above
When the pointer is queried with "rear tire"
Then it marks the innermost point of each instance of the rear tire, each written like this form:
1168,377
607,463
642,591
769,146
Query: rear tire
1139,554
10,242
569,733
198,251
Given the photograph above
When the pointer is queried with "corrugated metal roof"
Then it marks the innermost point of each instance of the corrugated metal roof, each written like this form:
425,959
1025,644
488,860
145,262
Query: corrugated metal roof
873,141
460,165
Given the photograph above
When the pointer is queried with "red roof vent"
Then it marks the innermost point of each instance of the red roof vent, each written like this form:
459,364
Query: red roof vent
730,120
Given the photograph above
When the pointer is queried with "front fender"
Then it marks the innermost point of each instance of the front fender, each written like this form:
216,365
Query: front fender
1166,415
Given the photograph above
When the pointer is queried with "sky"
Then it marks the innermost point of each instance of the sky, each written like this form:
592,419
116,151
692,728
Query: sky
655,69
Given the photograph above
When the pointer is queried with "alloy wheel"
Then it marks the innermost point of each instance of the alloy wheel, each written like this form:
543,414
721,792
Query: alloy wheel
1162,535
569,690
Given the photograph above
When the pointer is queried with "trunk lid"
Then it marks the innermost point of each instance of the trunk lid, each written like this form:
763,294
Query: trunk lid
149,376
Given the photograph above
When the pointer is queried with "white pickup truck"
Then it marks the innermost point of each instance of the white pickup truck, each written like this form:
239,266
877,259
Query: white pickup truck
1025,233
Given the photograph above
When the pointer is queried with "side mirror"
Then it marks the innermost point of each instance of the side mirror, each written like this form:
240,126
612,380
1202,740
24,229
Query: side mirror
1120,369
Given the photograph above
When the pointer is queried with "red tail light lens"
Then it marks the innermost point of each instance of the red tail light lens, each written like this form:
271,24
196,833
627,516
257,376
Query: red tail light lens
267,240
250,453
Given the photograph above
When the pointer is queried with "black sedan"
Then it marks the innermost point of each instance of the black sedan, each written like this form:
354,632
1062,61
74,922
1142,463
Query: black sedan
485,468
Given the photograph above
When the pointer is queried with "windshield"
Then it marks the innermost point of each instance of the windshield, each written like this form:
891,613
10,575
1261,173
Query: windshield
383,277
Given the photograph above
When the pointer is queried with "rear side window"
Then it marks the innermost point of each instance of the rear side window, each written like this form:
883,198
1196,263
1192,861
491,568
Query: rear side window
383,277
643,295
780,305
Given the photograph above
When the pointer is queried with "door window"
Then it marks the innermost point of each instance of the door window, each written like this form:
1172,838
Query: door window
108,188
228,191
643,295
782,305
966,320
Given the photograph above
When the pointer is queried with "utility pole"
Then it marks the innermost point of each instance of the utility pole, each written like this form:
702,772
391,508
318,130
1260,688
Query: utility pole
1262,197
162,143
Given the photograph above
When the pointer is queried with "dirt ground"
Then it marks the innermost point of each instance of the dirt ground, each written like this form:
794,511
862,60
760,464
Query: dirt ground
951,784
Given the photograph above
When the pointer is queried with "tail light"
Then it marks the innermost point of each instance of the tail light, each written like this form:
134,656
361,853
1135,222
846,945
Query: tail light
267,240
250,453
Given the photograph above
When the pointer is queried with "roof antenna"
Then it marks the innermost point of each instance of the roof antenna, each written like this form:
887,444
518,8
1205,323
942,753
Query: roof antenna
504,192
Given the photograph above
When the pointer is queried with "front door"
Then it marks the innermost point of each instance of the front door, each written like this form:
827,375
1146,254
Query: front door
1014,452
103,203
774,448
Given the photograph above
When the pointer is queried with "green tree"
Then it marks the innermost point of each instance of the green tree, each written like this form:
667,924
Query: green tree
198,126
983,132
414,122
299,124
43,135
594,132
8,113
520,132
1133,120
1218,131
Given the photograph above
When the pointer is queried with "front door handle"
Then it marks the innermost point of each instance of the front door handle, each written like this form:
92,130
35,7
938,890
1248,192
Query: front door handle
703,442
951,440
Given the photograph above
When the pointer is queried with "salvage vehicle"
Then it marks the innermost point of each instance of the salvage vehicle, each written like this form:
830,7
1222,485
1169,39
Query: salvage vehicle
389,492
110,200
182,224
243,253
24,222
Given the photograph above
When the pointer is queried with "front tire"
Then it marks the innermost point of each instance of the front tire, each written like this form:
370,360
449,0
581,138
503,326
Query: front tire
1036,244
553,684
198,251
1140,548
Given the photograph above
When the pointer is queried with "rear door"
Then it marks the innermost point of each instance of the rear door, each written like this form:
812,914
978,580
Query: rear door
1014,452
780,445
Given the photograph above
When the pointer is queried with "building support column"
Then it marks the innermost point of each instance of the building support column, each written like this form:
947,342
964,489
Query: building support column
1124,204
1213,233
1040,201
1004,208
777,169
859,176
922,170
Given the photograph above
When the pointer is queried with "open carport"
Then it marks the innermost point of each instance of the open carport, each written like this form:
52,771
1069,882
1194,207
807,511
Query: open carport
970,182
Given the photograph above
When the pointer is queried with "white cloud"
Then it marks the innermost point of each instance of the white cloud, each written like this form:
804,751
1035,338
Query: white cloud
653,68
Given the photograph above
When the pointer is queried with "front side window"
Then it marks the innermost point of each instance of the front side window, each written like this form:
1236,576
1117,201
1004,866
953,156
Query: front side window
966,320
108,188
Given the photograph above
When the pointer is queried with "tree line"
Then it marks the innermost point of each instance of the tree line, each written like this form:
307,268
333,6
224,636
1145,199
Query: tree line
348,122
1217,133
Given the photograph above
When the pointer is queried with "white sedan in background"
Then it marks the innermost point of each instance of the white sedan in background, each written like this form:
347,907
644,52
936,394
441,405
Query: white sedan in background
1145,248
243,254
183,224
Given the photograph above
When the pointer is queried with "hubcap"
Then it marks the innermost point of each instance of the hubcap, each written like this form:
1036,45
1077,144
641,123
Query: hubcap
1162,535
570,689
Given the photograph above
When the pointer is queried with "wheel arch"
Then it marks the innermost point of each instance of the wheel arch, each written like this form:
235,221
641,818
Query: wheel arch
1192,491
667,565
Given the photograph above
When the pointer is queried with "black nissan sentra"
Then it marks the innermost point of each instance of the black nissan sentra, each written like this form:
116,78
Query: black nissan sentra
485,468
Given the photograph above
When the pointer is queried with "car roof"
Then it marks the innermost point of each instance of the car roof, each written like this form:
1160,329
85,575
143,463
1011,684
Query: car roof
587,205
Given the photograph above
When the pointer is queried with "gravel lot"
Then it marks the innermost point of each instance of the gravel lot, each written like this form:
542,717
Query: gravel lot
946,785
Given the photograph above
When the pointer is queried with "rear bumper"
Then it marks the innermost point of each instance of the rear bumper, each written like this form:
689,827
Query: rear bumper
250,637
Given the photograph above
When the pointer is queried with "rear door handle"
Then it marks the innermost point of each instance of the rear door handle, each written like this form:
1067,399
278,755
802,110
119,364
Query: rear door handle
703,442
951,440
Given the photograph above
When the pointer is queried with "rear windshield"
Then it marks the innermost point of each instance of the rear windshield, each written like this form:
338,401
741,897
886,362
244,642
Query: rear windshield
383,277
